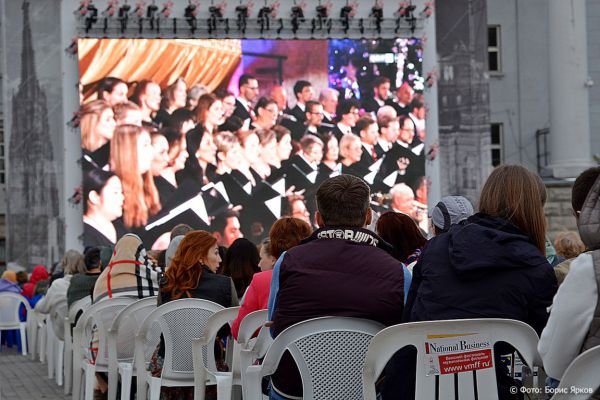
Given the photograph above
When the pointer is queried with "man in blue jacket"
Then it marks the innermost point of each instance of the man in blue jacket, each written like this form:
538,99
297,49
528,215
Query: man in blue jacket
343,270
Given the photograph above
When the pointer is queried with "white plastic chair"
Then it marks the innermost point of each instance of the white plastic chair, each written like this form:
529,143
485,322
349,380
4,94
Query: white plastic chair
387,342
97,318
50,340
328,351
10,304
180,321
76,309
57,315
121,342
252,349
205,369
582,373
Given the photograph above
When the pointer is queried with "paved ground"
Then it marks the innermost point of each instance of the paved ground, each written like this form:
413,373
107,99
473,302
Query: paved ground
23,379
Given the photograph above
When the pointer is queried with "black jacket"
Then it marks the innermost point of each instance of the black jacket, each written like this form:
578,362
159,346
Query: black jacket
487,268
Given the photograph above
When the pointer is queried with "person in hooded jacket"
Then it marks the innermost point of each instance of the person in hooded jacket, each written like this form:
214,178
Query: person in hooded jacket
574,323
493,266
39,274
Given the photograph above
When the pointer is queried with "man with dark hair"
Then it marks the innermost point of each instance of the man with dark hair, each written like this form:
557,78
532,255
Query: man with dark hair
574,322
369,134
248,86
381,94
304,92
82,285
226,228
347,115
314,117
342,269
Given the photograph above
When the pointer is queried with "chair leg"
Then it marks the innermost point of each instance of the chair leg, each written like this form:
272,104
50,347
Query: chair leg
155,385
224,383
33,334
68,361
42,341
77,375
126,372
23,339
90,380
60,357
50,350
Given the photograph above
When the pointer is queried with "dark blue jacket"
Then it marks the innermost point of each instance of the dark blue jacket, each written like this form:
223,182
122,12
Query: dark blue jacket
487,268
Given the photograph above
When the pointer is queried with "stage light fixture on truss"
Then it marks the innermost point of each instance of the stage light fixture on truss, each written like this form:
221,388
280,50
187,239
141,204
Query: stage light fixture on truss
377,16
345,16
242,13
91,17
297,17
406,12
151,15
190,16
264,19
123,16
322,19
216,17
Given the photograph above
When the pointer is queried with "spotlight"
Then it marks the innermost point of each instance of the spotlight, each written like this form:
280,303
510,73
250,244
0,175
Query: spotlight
322,11
345,15
124,16
151,14
377,15
215,16
297,18
263,18
190,16
91,18
242,17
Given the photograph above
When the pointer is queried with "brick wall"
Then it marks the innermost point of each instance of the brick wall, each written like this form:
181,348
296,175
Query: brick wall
559,213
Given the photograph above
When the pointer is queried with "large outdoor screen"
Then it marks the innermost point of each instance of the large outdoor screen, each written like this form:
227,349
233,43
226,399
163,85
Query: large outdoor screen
229,135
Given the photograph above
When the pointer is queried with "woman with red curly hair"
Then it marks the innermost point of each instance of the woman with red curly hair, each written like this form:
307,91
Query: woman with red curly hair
192,274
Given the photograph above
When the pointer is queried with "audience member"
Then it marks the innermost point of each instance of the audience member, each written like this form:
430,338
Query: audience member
180,230
573,324
581,187
568,245
129,273
404,235
172,249
8,282
450,210
342,269
72,263
491,267
240,264
39,273
284,234
82,285
192,274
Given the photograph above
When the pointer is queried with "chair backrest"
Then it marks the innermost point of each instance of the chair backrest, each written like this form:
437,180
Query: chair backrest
213,325
582,374
10,305
250,324
445,348
57,315
329,352
126,324
77,308
98,318
180,321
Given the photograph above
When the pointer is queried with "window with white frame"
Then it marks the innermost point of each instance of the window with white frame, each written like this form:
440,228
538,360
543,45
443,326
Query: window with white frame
494,59
497,130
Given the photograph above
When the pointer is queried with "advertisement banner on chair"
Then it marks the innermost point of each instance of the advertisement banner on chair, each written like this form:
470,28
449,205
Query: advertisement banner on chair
455,353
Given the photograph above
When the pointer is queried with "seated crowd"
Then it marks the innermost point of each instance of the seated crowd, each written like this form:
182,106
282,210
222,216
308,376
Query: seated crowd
493,263
176,155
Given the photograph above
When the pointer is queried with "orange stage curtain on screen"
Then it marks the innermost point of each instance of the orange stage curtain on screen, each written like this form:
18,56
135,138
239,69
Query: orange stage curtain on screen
206,62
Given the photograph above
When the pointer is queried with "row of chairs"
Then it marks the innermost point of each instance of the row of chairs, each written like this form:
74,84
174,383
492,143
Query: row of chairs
338,358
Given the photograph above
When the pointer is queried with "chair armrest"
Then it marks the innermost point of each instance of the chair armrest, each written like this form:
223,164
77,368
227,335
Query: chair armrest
253,382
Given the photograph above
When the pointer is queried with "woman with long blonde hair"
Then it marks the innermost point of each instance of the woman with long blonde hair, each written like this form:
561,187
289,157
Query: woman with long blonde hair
492,266
130,159
97,125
